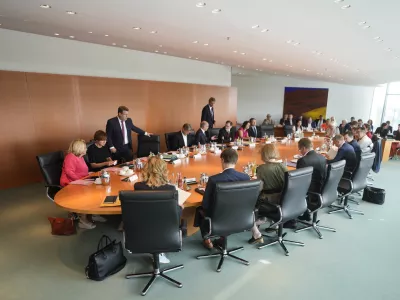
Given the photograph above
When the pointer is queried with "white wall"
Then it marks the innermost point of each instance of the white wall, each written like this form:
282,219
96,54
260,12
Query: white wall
262,94
27,52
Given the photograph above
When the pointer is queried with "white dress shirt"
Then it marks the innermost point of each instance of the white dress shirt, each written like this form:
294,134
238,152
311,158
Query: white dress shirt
365,142
184,139
126,133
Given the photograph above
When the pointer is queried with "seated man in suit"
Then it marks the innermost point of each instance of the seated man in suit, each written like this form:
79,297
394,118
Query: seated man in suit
119,137
202,137
382,131
310,158
253,130
310,125
349,138
226,134
346,152
282,121
229,158
182,138
290,120
320,122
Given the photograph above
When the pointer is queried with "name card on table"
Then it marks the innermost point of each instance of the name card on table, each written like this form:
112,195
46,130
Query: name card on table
197,156
252,145
218,151
177,162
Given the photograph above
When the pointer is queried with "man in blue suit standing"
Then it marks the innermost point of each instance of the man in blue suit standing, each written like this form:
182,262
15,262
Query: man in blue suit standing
229,158
345,152
119,137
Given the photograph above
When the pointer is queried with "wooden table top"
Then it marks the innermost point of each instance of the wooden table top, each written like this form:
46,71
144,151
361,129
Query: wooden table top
87,199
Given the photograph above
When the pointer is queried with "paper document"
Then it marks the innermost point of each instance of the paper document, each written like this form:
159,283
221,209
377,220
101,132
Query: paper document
183,196
82,182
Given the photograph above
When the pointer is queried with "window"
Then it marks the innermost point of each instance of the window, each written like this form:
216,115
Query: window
378,104
392,110
394,88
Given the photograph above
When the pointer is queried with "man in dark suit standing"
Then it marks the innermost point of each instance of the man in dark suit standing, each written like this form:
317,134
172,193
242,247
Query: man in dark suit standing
346,152
229,158
253,130
226,134
202,135
183,138
119,137
207,114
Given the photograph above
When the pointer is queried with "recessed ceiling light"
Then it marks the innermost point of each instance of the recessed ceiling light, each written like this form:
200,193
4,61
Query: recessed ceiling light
289,41
205,44
71,36
287,75
264,59
256,69
270,60
216,11
114,44
196,58
357,70
90,32
341,79
367,26
255,26
377,38
190,57
330,76
54,34
45,6
136,28
338,1
69,12
165,52
153,31
200,4
346,6
234,51
264,30
159,45
296,44
362,23
106,35
378,41
124,46
396,57
389,49
156,51
195,42
243,53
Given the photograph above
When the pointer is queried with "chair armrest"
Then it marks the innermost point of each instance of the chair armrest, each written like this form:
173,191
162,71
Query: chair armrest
209,226
54,185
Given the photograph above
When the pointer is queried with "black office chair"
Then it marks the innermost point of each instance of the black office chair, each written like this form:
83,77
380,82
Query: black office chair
86,157
233,212
288,129
353,183
328,195
267,130
147,144
169,139
51,166
213,131
151,225
293,204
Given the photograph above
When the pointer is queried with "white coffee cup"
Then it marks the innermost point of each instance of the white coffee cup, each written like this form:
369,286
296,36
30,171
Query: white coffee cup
125,169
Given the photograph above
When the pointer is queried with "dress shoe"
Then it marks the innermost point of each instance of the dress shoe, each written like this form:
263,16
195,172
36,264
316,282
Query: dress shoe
254,241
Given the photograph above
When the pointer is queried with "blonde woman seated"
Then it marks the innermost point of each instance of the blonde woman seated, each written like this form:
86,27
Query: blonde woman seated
272,175
330,129
155,178
74,168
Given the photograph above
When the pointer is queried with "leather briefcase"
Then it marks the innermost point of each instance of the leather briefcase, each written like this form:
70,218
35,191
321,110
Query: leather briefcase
62,226
374,195
106,261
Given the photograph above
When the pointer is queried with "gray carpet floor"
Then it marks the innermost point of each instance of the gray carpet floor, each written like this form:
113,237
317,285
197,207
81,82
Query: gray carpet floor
359,261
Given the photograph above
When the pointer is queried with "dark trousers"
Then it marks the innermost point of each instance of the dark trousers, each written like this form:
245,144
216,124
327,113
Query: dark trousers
124,154
199,221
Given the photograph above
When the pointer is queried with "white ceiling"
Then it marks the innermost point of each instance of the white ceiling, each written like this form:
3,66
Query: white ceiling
349,52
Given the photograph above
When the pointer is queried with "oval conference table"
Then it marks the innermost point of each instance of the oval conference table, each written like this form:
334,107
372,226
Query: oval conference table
87,199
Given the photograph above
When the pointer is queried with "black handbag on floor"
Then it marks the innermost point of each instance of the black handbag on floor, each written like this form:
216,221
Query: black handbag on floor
374,195
107,260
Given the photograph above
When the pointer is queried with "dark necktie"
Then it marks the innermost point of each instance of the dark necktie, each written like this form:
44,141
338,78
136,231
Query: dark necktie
123,131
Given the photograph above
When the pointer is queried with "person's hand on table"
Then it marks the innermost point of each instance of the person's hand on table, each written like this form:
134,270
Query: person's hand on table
213,138
110,163
113,150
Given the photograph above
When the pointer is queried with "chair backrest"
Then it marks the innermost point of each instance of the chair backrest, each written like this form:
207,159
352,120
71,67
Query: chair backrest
267,130
169,139
51,166
288,129
359,177
147,144
151,221
293,199
333,176
233,209
214,131
86,157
